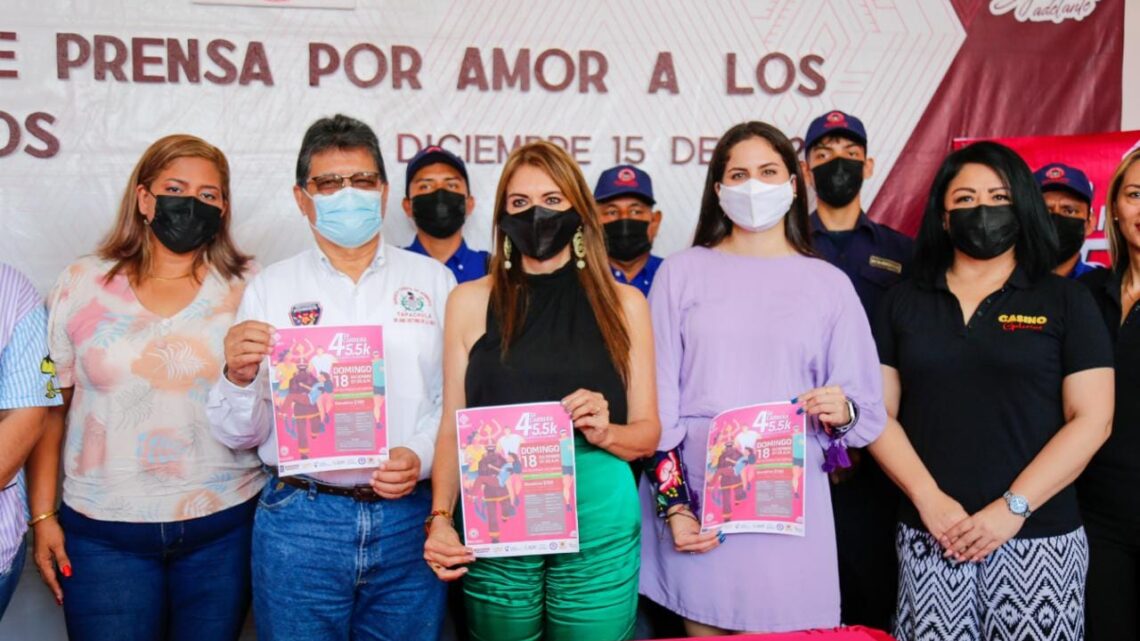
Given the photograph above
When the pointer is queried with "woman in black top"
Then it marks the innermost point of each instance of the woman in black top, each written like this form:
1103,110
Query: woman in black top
549,324
997,375
1106,491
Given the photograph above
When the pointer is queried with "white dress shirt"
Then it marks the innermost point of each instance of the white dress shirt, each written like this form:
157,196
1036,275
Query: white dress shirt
403,292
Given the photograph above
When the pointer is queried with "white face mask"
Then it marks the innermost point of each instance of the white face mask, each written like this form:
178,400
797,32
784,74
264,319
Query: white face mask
755,205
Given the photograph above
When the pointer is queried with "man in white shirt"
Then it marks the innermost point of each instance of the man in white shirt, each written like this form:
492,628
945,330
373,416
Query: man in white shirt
338,555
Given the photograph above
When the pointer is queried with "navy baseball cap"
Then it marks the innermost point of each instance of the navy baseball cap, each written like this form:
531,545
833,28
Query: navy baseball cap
1058,176
835,123
431,155
624,180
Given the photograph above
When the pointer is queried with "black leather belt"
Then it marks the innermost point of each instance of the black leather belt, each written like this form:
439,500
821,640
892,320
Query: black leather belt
356,492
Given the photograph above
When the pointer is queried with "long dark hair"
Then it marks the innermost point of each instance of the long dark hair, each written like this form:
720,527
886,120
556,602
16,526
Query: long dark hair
713,225
1036,247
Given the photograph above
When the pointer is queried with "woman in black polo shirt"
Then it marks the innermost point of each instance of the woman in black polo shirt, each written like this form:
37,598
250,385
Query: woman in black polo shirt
997,376
1106,491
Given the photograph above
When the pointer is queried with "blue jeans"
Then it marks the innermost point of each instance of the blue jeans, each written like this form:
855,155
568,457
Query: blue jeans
179,581
10,577
333,568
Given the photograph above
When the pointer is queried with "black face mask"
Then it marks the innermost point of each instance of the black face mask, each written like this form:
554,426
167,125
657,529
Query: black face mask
838,181
539,232
984,231
627,239
184,223
1070,233
441,213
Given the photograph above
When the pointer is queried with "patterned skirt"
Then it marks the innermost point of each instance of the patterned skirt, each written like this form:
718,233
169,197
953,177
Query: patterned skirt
1026,589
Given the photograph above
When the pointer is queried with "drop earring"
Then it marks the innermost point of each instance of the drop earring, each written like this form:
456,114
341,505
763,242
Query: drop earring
507,252
580,248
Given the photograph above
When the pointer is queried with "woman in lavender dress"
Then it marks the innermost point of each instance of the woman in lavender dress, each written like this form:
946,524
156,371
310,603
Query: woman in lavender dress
748,315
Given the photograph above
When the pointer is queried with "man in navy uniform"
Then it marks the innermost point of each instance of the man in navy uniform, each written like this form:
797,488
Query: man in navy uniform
874,257
438,201
1068,196
625,202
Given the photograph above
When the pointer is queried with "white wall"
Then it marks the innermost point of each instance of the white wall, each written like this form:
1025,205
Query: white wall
1130,117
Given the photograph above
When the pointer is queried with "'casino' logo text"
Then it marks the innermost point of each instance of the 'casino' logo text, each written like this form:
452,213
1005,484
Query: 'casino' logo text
1014,322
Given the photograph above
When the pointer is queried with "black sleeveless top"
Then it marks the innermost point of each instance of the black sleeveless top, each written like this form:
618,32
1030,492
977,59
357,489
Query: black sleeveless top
559,350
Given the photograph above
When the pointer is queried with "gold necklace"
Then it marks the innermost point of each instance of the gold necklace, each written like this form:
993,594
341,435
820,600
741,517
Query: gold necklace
170,277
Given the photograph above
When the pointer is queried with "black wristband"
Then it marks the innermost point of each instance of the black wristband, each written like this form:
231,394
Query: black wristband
667,473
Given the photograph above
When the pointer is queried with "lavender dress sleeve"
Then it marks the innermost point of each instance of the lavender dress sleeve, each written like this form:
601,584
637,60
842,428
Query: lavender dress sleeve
664,303
852,362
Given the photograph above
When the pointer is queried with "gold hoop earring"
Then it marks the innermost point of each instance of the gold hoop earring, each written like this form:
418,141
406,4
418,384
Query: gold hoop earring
580,248
506,252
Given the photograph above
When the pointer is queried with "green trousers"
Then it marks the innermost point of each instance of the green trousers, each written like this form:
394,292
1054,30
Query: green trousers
591,594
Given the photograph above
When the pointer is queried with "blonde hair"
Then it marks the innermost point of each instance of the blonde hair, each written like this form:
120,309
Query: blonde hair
508,286
1117,246
127,245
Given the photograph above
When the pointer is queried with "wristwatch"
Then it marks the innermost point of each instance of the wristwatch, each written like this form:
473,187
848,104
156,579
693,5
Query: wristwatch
1017,504
853,412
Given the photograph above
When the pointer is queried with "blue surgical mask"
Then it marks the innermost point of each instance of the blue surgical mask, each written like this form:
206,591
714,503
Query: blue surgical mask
349,218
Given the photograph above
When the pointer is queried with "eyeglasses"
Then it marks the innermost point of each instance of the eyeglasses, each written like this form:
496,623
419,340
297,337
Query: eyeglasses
332,183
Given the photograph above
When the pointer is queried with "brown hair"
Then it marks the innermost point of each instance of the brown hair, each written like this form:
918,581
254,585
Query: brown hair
128,242
713,225
1117,246
508,286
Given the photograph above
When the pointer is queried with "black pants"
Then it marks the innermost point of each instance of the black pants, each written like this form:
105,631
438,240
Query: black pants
865,506
1112,593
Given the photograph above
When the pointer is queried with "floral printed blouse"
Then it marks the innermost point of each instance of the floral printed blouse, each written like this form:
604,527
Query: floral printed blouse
138,445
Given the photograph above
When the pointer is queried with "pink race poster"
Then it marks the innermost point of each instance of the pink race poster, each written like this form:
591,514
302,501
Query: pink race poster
754,471
517,479
328,398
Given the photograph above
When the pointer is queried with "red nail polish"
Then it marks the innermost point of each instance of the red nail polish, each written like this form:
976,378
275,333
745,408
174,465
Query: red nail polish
66,570
59,602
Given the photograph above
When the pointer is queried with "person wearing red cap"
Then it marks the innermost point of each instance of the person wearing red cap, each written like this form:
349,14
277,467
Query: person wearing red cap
1068,197
438,201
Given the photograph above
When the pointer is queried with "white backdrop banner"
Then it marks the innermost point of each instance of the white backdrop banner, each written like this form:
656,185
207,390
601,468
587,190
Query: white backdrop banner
85,86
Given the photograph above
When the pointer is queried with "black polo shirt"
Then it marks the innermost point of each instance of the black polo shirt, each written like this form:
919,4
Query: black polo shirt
1106,489
979,401
875,257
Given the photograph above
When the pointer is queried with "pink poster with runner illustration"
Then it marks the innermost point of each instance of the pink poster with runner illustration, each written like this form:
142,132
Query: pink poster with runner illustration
517,479
754,471
329,405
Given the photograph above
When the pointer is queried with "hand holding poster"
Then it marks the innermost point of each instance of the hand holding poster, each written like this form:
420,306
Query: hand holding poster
328,398
517,479
754,476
